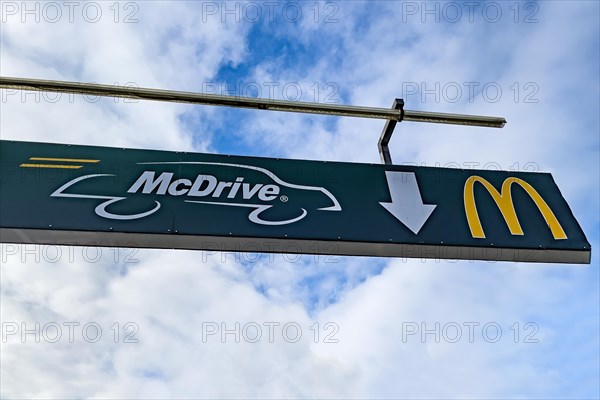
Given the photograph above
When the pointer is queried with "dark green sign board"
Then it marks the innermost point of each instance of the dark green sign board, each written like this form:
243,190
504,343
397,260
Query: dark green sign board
84,195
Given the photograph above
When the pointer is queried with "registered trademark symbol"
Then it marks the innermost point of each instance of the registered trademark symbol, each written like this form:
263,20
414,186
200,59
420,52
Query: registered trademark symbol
284,199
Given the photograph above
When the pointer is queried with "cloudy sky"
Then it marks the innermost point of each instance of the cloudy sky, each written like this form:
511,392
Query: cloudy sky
184,324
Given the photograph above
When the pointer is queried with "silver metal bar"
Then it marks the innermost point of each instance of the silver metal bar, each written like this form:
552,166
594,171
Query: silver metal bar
94,89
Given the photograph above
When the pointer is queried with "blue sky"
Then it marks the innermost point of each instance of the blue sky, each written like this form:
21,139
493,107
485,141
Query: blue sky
542,56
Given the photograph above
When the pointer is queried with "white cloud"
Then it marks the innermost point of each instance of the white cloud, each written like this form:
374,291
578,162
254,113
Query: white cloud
169,47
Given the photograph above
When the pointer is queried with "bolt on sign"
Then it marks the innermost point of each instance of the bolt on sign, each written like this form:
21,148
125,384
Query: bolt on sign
84,195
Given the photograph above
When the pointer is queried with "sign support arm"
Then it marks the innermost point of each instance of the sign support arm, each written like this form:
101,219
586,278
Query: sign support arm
388,130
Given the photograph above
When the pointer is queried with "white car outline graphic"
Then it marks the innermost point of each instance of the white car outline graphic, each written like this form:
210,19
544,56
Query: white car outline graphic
254,216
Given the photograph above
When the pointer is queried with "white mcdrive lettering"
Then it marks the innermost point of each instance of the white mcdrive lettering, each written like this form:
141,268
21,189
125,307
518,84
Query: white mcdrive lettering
204,189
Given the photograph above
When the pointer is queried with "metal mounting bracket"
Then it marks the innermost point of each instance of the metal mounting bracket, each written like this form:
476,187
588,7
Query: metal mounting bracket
388,130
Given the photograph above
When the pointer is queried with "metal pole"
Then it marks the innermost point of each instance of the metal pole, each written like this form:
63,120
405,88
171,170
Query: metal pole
247,102
386,134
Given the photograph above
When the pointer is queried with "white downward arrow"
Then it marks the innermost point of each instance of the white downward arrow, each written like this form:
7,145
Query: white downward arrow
407,204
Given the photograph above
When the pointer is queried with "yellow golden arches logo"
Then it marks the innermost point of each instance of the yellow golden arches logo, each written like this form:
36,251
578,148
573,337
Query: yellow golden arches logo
504,202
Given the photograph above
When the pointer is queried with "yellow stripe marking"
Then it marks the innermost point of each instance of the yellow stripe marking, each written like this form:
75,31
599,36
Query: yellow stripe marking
63,159
50,166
